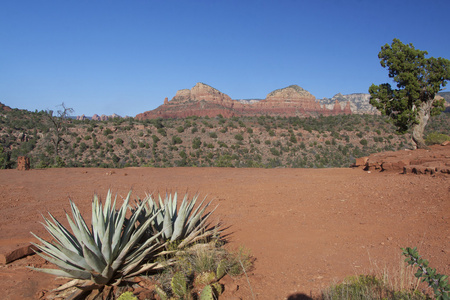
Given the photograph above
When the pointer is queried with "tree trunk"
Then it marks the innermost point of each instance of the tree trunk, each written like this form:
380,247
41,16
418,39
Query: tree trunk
423,115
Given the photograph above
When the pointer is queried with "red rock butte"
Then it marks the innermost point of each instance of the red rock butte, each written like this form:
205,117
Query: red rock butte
203,100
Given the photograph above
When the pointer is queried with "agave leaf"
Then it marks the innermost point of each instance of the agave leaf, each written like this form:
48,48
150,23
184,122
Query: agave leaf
65,238
61,264
108,272
135,259
53,250
93,260
131,222
116,239
167,225
179,224
174,203
61,253
198,230
85,236
106,245
98,221
132,241
197,216
62,273
142,268
107,207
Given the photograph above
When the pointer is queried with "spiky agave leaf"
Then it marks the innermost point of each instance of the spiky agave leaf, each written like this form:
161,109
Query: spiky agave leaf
186,223
109,251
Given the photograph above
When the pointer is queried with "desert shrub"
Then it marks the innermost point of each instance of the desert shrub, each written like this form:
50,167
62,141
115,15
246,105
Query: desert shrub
367,287
162,132
239,137
196,143
119,141
213,135
107,132
436,138
274,151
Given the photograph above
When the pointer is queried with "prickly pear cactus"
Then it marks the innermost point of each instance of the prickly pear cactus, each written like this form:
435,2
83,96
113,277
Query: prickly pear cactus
161,293
127,296
207,293
179,285
218,288
221,269
205,278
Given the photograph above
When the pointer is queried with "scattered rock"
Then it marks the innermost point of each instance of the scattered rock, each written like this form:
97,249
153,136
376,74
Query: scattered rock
7,257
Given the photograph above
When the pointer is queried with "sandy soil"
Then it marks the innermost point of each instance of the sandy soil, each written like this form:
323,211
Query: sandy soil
307,228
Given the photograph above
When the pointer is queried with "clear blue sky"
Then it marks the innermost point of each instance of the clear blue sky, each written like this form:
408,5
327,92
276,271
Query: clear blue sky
125,57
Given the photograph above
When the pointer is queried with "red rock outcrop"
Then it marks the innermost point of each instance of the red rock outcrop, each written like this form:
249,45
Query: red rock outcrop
419,161
23,163
204,100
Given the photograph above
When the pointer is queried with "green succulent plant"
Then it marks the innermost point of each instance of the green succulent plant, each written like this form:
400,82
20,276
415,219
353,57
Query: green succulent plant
185,224
110,251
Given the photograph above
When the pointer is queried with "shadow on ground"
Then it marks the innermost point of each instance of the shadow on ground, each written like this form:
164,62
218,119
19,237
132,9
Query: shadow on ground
299,297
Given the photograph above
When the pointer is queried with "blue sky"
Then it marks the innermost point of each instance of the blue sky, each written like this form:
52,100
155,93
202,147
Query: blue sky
125,57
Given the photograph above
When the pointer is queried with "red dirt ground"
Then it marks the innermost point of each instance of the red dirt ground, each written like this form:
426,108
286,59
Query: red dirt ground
307,228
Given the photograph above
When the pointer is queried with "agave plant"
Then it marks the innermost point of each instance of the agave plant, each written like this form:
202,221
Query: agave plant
184,224
105,254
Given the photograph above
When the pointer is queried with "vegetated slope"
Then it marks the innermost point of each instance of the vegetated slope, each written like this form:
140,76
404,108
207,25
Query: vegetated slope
333,141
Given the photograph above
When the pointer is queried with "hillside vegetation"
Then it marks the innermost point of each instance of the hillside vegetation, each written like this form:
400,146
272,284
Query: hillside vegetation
263,141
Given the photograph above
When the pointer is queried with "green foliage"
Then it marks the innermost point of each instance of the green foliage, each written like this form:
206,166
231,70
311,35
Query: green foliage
436,281
436,138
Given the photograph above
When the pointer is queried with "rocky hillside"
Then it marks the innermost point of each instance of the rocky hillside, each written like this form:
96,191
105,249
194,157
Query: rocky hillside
203,100
359,103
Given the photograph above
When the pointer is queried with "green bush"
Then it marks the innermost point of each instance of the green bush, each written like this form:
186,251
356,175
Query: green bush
436,138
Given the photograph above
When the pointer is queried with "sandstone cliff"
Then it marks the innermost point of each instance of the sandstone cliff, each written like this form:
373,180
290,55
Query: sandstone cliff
204,100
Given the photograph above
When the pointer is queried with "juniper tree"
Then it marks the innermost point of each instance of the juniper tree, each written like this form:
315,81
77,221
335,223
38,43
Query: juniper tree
418,80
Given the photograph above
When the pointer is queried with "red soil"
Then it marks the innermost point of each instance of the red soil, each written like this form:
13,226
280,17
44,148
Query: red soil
307,228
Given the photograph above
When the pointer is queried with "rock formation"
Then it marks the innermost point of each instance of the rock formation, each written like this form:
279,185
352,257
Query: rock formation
357,103
96,117
204,100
